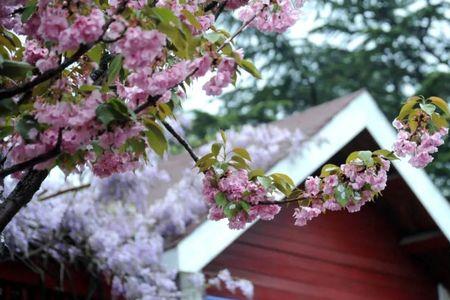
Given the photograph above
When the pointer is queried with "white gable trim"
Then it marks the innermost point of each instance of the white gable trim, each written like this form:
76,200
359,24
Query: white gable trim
417,179
210,238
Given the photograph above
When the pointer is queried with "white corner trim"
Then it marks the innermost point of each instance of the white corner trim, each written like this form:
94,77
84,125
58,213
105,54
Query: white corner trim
210,238
418,181
443,293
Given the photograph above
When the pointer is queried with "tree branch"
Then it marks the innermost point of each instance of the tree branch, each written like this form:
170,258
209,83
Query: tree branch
21,195
34,161
151,101
7,93
180,140
65,191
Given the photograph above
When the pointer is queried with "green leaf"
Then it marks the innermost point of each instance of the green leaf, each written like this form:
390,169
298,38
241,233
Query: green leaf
329,169
238,162
282,187
250,68
114,68
256,173
98,150
28,11
112,111
224,137
245,206
242,153
166,16
6,131
15,69
439,102
284,178
353,156
412,119
265,181
340,194
136,145
95,54
155,137
439,121
8,107
366,157
192,19
87,88
221,200
214,37
386,154
428,108
230,210
215,148
206,161
408,107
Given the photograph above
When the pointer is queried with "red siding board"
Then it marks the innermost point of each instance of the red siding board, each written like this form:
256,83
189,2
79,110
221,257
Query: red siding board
338,256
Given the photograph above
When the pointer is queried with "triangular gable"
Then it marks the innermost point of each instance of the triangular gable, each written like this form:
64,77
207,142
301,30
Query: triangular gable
361,112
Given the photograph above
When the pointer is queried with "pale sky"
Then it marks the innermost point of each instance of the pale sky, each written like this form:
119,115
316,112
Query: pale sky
197,99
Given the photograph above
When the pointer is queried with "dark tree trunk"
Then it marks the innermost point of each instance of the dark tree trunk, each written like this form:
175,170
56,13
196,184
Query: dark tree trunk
21,195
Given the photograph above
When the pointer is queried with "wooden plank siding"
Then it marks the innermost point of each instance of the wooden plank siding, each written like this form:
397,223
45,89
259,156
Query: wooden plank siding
337,256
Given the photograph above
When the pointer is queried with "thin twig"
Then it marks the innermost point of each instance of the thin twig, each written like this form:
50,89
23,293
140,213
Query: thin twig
282,202
65,191
239,31
180,140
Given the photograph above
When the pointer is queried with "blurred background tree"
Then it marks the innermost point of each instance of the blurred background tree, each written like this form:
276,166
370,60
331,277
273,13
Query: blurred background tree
393,48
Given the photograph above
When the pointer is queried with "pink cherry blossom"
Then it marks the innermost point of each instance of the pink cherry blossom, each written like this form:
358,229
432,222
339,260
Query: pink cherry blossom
53,22
222,79
48,63
312,185
304,214
329,183
34,52
265,212
140,47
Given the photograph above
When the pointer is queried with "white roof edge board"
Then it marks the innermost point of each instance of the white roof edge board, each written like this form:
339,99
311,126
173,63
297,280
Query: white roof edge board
210,238
418,181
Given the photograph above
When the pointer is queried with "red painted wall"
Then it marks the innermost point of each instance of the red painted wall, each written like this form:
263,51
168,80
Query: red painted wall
337,256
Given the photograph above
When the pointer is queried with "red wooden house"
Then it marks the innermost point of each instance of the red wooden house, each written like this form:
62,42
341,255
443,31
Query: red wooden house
395,248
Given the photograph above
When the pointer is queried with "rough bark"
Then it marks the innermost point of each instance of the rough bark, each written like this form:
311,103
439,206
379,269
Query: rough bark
20,196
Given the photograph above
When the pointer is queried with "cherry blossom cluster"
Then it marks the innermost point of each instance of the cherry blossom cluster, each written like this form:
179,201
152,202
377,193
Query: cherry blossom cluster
233,195
421,130
240,195
272,17
128,57
349,186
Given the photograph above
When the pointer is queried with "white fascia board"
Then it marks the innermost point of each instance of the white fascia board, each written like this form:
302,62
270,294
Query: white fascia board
210,238
418,181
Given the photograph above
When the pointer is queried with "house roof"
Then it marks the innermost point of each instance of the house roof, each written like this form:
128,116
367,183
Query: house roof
329,127
309,122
